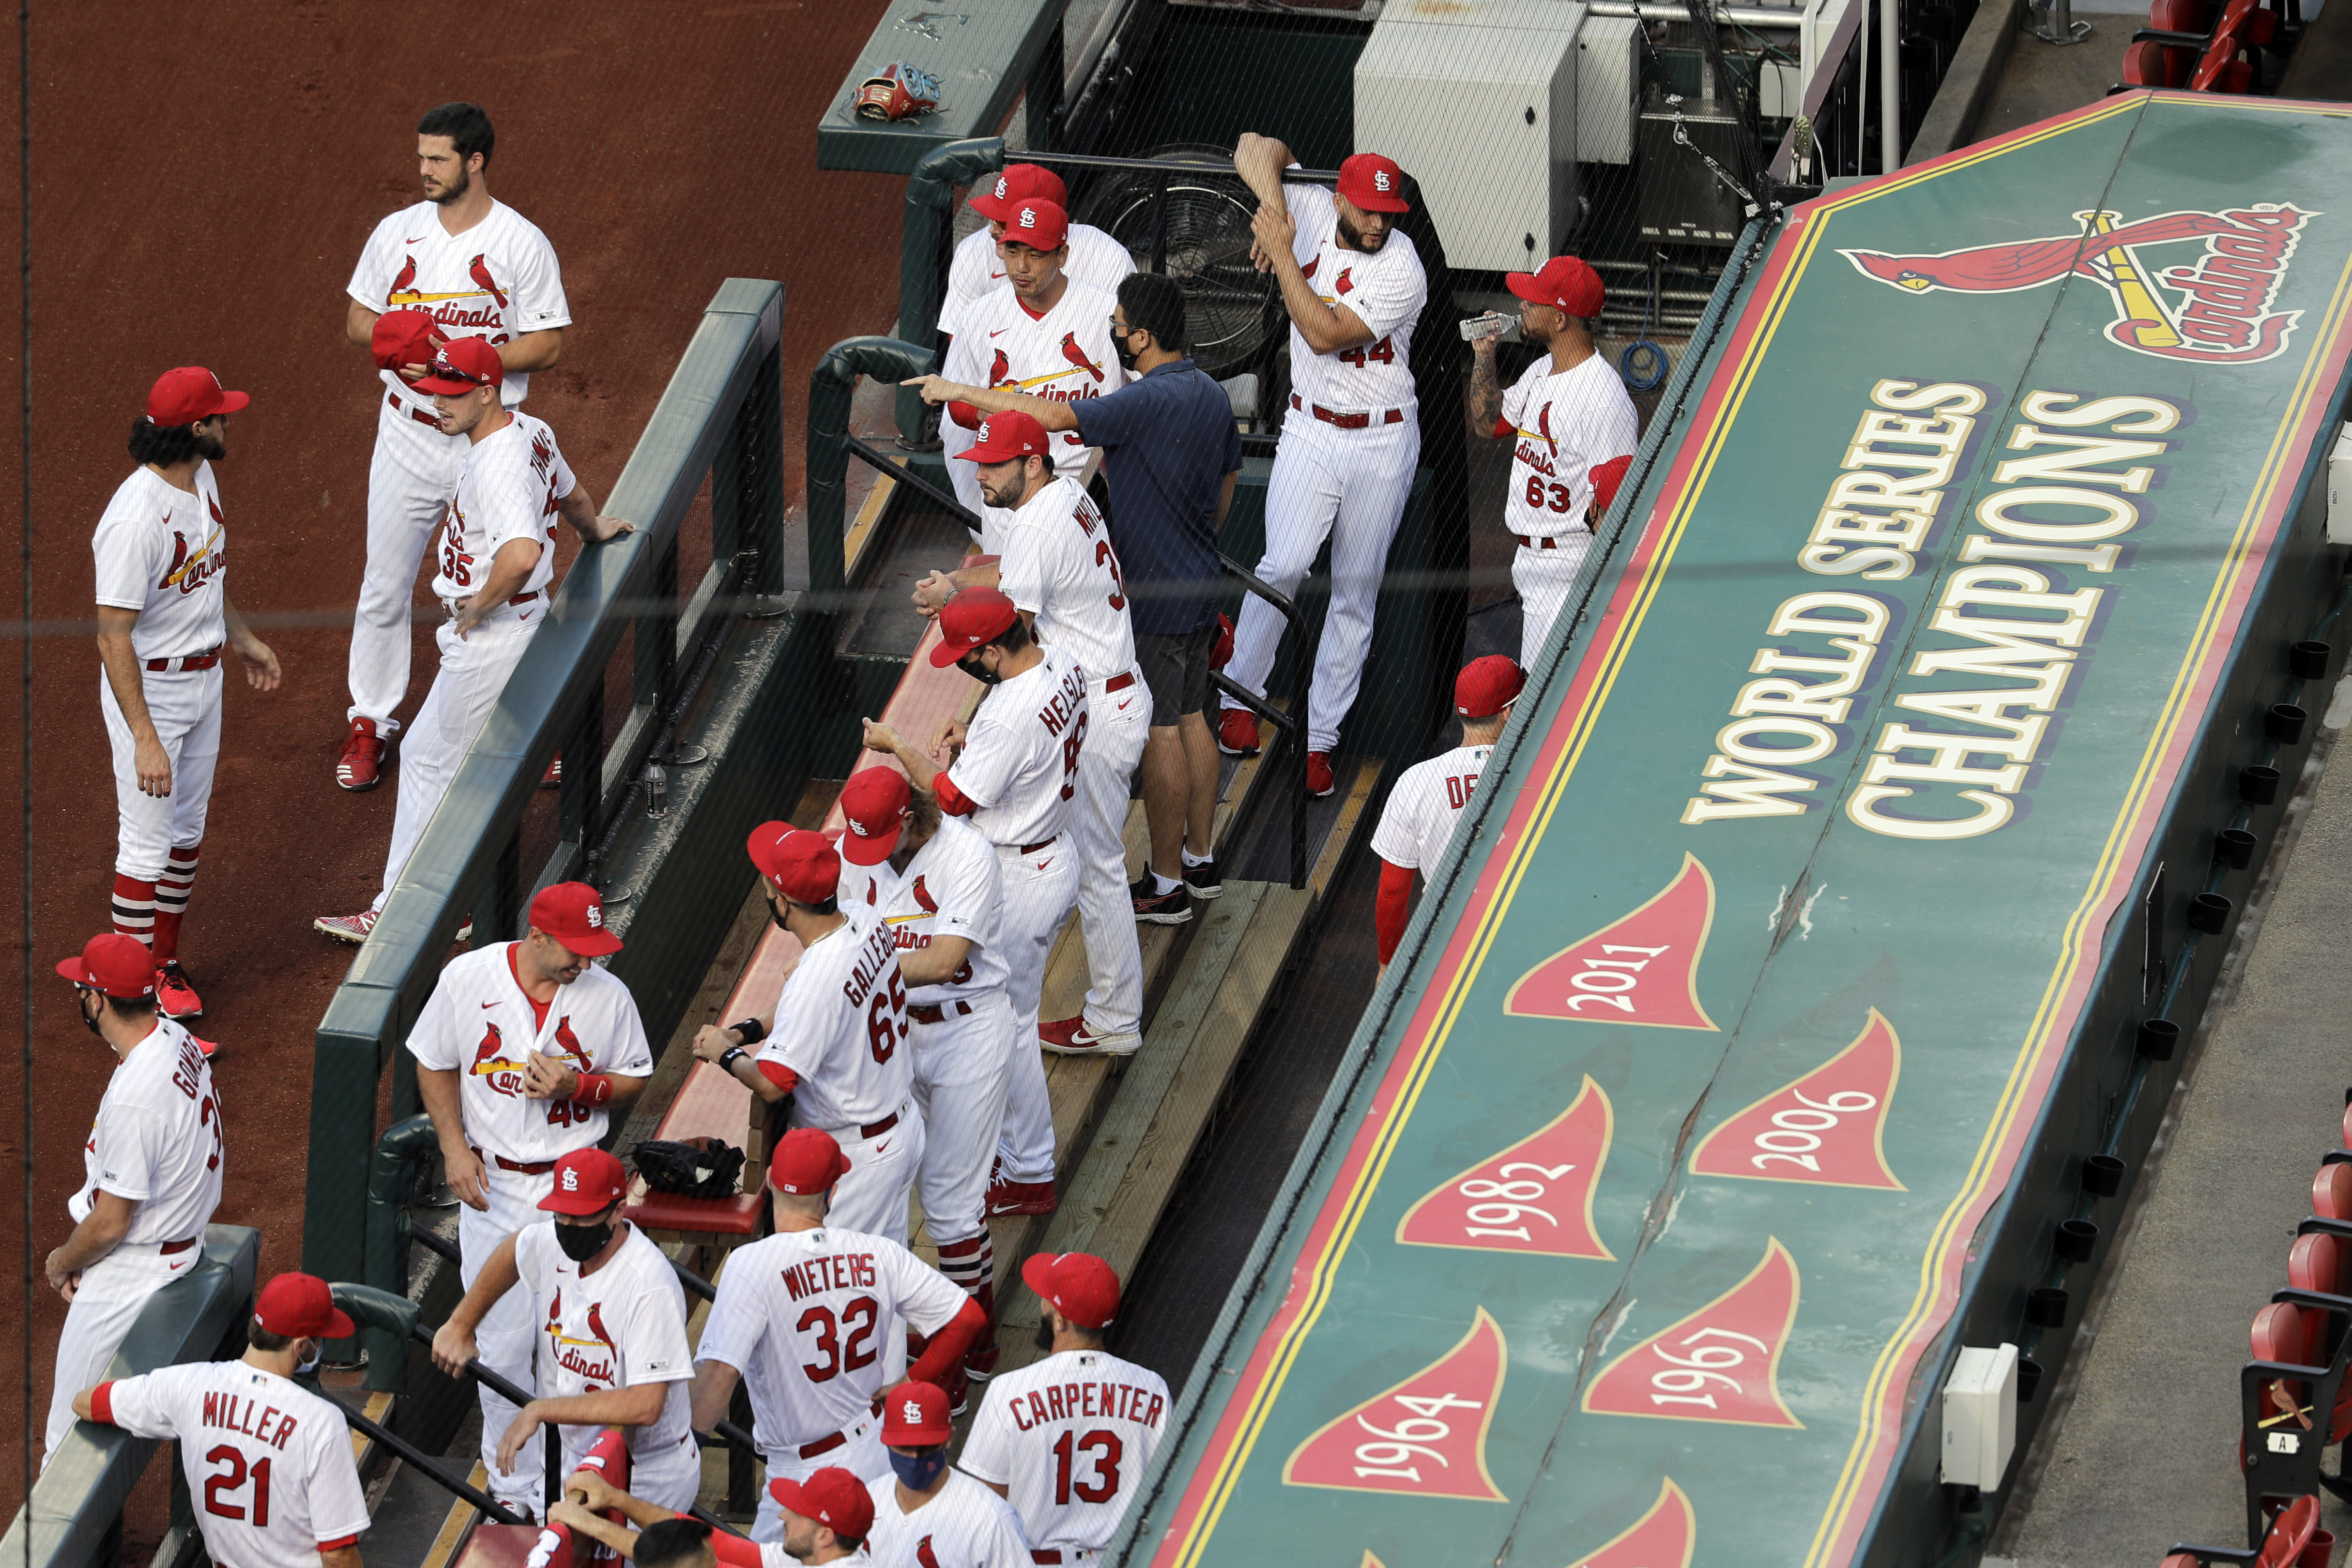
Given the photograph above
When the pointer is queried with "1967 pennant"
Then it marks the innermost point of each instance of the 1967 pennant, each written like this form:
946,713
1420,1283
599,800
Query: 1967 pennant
1829,1127
1425,1437
1722,1362
1642,969
1534,1197
1662,1538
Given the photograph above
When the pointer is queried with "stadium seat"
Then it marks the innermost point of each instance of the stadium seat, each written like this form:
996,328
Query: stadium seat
2331,1192
2298,1362
2292,1533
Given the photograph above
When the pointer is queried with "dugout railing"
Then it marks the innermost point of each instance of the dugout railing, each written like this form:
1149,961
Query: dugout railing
720,420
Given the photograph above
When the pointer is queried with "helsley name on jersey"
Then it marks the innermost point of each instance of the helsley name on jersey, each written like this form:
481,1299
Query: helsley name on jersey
1076,1401
235,1413
1056,714
834,1272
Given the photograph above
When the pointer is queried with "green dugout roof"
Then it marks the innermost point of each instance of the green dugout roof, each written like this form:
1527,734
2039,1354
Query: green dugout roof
1637,1242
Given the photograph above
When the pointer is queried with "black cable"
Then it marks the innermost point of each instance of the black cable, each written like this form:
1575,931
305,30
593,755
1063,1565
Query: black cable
25,555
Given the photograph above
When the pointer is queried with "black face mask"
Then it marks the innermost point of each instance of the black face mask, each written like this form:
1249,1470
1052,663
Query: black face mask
89,1021
1127,356
979,672
582,1242
1044,1336
776,914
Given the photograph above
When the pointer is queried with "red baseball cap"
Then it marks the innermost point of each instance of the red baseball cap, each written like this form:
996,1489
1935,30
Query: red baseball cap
587,1181
113,965
807,1160
832,1497
461,367
1005,436
1565,283
874,803
302,1306
188,394
915,1416
1374,183
573,913
801,865
1080,1286
1486,686
975,616
1017,182
1036,222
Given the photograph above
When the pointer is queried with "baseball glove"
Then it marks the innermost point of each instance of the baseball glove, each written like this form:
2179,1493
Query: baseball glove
692,1168
900,92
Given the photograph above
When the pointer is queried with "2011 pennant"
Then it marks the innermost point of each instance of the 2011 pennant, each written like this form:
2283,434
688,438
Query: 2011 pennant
1829,1127
1642,969
1426,1437
1722,1362
1533,1196
1662,1538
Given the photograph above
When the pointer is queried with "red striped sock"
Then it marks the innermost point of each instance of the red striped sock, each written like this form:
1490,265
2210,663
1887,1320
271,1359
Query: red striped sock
134,907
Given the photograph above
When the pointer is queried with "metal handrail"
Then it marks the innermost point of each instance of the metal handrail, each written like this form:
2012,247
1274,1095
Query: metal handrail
906,476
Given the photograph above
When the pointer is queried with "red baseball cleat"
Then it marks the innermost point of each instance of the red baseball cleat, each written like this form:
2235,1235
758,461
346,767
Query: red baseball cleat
1021,1198
353,928
1071,1036
1237,733
1318,774
553,777
361,766
174,998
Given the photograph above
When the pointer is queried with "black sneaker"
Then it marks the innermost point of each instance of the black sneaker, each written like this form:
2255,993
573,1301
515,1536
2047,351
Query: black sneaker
1172,908
1203,879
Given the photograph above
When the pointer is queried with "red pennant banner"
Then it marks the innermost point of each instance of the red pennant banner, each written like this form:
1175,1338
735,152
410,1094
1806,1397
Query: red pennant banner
1425,1437
1829,1127
1662,1538
1720,1363
1640,969
1534,1197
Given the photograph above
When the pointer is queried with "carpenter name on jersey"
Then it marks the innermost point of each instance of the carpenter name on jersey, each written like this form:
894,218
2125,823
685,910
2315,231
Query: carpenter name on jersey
1069,1437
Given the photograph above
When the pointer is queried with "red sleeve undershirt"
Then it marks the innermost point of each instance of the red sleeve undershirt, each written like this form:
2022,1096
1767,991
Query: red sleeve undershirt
777,1073
734,1551
339,1543
946,1348
102,1403
953,800
1606,478
1502,426
1393,908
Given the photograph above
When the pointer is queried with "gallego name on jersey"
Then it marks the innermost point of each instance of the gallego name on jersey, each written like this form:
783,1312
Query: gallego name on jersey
2021,632
881,948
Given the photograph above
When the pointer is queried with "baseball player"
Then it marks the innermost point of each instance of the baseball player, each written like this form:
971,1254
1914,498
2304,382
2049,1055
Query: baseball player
1422,810
614,1346
1056,564
164,616
1047,335
941,892
825,1515
976,270
1353,287
1068,1438
1575,430
926,1514
497,574
833,1040
151,1169
810,1315
457,265
271,1459
1014,774
524,1053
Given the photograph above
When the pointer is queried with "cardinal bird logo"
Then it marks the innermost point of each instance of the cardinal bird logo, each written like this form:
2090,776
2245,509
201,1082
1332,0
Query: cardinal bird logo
403,280
555,1313
213,503
1000,370
1308,270
179,561
542,453
2220,308
596,1324
1543,428
925,1555
923,897
1077,356
490,1062
480,273
568,1043
1343,282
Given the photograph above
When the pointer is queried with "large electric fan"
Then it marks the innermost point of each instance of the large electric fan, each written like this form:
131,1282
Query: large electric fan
1230,306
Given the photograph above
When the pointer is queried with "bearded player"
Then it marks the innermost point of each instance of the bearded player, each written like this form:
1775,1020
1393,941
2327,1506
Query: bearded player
1418,820
456,265
524,1053
164,616
1575,431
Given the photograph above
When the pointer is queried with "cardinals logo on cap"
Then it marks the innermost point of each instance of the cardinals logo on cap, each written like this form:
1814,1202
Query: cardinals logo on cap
1003,187
983,423
571,1180
911,1412
1028,218
1380,179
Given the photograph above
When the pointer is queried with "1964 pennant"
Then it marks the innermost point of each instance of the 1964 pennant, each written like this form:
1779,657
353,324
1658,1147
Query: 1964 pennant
1722,1362
1662,1538
1829,1127
1534,1197
1425,1437
1642,969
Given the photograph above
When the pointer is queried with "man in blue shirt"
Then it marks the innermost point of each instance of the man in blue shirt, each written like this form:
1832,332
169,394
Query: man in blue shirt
1170,453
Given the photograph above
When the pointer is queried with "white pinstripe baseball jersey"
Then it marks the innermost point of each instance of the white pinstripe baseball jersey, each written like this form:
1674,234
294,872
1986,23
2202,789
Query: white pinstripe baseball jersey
1064,355
806,1316
497,280
954,886
1058,564
1385,290
1563,427
839,1024
513,479
621,1327
269,1463
164,552
964,1525
1020,764
977,271
1423,806
156,1140
1070,1435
